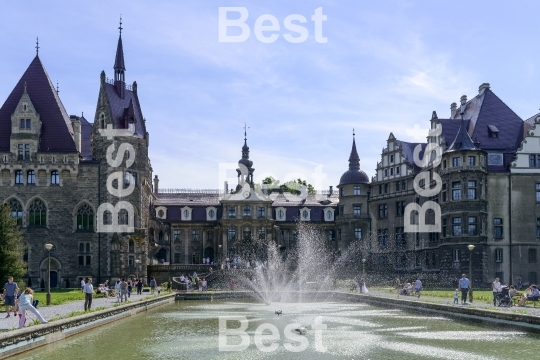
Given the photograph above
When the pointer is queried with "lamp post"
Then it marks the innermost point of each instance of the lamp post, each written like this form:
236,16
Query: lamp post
137,261
471,248
364,268
220,255
48,247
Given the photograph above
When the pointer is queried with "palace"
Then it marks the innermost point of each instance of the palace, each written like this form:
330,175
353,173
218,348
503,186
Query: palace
54,174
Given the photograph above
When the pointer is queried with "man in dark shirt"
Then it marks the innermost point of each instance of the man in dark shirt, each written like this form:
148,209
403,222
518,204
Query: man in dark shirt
10,293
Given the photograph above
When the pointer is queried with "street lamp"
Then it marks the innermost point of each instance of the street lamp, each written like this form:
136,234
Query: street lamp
364,267
137,261
471,248
48,247
220,255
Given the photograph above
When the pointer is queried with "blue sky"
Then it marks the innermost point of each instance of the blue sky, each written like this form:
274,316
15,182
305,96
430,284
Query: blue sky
386,67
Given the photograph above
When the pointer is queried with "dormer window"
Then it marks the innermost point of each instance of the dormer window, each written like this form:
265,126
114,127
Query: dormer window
493,131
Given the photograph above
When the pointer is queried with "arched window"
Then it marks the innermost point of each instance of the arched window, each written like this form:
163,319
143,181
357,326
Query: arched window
131,246
232,232
123,217
37,213
102,121
55,178
81,247
247,232
85,218
16,210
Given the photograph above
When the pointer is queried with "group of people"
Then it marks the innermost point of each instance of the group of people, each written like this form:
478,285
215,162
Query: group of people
20,303
239,263
409,288
193,281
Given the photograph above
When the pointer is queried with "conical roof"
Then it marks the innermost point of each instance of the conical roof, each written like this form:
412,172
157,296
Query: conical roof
462,141
354,175
119,60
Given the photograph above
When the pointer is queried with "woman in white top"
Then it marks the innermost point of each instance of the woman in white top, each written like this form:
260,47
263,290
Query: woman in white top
25,303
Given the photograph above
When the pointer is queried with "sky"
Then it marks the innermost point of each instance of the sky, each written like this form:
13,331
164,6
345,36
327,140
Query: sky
385,67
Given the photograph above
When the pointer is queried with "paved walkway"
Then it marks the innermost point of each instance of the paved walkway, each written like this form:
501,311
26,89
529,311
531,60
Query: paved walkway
55,311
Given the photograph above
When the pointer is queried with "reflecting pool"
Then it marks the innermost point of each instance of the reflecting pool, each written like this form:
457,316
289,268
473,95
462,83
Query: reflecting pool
190,330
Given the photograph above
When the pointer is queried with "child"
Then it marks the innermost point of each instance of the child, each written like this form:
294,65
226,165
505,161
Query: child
159,289
456,296
25,303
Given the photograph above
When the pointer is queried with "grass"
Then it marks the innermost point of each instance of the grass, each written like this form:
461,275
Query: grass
59,296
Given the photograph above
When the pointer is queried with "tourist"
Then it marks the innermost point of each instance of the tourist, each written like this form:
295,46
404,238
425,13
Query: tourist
159,289
139,287
152,285
456,296
10,293
88,294
182,279
82,285
418,286
117,289
512,291
130,287
496,288
519,282
123,290
25,303
534,294
204,285
100,290
463,285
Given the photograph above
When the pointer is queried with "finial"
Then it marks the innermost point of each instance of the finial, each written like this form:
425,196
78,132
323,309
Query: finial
353,132
245,131
37,46
82,112
57,87
120,27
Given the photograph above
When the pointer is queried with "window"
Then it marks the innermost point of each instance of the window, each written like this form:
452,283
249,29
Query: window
341,209
391,171
444,164
261,211
443,192
404,185
471,161
380,190
209,236
131,260
131,246
383,211
247,210
471,190
401,237
20,152
247,233
456,255
382,235
472,225
262,233
331,235
37,213
456,190
532,160
211,214
444,227
456,161
123,217
195,235
22,124
397,185
356,190
329,215
341,192
532,277
537,227
433,259
358,233
232,211
498,255
18,177
537,191
176,235
456,226
497,227
55,178
532,255
130,177
27,151
434,237
385,172
391,158
16,210
397,170
85,218
186,214
232,233
386,188
356,209
305,214
281,214
400,208
30,177
177,258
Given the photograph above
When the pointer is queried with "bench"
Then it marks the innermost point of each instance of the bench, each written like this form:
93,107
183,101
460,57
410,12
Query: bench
515,299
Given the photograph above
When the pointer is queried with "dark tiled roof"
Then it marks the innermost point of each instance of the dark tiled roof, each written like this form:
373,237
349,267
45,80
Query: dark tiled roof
119,59
463,140
86,134
286,200
450,129
354,175
56,130
487,109
119,107
187,199
407,149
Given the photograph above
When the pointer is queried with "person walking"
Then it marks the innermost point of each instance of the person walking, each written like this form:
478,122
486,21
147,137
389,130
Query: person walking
123,290
496,288
139,287
418,287
82,285
463,285
117,289
25,303
130,287
11,289
152,285
88,294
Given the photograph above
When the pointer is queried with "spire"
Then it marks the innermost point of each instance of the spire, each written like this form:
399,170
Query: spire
463,140
245,170
37,46
354,159
119,66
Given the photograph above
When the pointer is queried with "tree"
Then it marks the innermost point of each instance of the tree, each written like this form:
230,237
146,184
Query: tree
293,187
11,246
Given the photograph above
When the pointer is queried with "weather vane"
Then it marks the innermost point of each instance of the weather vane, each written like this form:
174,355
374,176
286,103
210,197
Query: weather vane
37,45
120,27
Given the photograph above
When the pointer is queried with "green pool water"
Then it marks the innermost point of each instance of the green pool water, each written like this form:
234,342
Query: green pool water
190,330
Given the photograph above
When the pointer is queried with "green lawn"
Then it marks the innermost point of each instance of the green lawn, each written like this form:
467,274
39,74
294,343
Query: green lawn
478,295
58,296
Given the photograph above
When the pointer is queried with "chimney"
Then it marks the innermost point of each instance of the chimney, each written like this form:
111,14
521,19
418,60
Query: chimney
331,190
303,192
463,101
226,187
453,108
264,189
156,184
483,88
76,131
